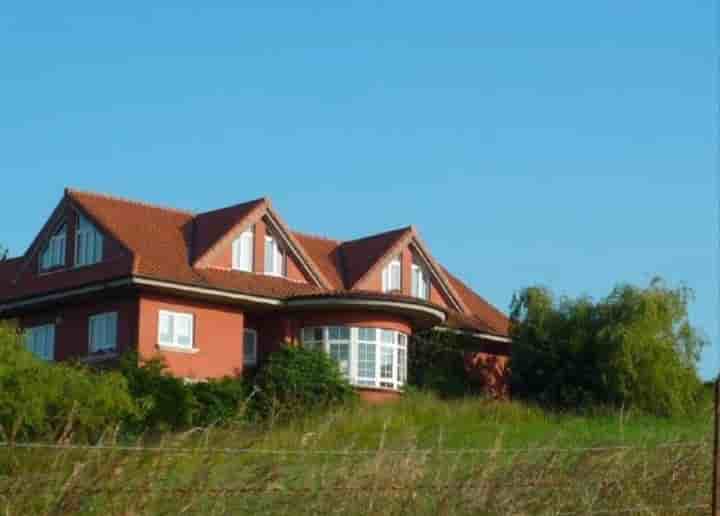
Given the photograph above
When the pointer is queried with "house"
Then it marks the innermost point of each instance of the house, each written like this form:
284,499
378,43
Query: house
215,292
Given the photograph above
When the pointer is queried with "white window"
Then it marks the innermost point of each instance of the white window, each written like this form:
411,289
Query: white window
175,330
244,251
420,281
274,257
54,253
250,347
402,359
88,243
339,347
103,332
369,357
392,275
40,340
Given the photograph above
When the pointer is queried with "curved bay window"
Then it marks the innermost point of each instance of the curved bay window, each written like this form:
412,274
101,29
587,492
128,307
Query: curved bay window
368,357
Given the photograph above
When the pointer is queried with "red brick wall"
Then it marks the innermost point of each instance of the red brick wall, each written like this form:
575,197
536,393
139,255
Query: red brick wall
437,296
352,318
218,337
406,259
378,396
72,324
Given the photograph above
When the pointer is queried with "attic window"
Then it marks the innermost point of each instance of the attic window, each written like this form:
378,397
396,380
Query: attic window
54,253
420,281
392,275
274,257
88,243
243,251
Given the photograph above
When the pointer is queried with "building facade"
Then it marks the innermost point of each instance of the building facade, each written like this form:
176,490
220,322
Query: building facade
214,293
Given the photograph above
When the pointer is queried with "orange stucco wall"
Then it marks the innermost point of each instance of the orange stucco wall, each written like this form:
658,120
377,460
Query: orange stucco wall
218,337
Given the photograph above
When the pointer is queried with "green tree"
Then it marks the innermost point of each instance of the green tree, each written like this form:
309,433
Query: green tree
636,347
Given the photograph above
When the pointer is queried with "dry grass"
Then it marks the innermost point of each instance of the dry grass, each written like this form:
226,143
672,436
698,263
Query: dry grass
421,457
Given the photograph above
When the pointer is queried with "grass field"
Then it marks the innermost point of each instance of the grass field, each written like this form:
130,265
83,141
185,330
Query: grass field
420,456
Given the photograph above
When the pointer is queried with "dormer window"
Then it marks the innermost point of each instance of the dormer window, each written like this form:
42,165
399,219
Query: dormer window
243,251
420,281
274,257
392,275
88,243
54,254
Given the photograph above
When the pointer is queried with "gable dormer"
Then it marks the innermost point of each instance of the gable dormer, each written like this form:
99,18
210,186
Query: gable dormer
251,237
70,239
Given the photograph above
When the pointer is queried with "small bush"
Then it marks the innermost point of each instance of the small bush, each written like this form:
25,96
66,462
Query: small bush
219,401
295,380
165,401
39,400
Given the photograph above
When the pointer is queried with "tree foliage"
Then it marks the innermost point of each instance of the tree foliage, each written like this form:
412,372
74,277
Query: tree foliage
436,363
636,347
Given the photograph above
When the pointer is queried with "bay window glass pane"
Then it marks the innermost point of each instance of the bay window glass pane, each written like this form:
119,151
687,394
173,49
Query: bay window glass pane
340,352
387,362
402,366
367,334
366,360
307,335
387,336
339,333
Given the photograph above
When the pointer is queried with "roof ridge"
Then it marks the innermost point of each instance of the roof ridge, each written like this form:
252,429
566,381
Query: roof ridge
317,237
384,233
258,201
128,201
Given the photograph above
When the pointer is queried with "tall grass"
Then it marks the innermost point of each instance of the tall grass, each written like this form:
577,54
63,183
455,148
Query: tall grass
419,456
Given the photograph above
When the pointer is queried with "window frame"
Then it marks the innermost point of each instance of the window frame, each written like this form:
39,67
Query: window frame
254,361
175,345
31,333
54,254
278,259
368,349
238,256
420,278
86,234
387,275
108,318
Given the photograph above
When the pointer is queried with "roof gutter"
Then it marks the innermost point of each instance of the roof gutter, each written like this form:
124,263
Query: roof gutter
146,282
477,335
334,301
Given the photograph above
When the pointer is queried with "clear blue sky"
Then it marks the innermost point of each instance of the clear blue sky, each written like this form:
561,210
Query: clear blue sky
565,143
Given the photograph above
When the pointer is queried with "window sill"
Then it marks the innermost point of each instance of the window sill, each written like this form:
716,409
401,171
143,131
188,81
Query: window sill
100,357
176,349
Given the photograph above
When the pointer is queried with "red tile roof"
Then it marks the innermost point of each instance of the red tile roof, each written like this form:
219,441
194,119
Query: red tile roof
162,244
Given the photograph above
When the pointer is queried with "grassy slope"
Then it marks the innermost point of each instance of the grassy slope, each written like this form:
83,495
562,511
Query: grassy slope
417,466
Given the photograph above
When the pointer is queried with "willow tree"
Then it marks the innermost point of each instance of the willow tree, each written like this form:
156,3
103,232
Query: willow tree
634,348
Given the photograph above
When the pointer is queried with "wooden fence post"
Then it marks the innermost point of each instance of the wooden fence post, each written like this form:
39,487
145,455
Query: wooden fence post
716,454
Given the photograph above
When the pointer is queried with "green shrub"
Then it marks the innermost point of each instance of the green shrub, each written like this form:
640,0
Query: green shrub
39,400
219,401
296,380
165,401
